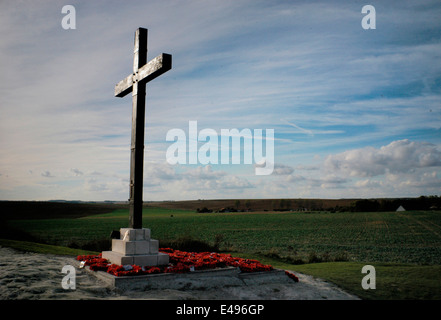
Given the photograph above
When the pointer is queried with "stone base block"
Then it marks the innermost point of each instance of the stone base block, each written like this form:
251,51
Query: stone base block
148,260
130,234
135,247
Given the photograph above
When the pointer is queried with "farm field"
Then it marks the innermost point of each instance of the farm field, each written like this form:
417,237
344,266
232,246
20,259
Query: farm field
404,247
295,237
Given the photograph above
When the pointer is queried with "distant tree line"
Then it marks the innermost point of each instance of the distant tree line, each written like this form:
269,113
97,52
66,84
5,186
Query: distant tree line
421,203
309,205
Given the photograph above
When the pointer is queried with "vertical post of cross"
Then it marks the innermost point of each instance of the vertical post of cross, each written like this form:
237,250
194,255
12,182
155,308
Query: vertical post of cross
143,72
138,123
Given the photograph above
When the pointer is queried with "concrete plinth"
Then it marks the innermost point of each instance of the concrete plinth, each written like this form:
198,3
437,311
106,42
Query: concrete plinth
196,280
136,247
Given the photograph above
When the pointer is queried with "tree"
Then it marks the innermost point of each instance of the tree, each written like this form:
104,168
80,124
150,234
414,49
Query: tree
282,203
366,205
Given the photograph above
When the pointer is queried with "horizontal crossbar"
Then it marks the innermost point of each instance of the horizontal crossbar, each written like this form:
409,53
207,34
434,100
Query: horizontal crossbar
146,73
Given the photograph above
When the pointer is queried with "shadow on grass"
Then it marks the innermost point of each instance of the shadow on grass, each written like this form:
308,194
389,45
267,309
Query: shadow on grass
8,232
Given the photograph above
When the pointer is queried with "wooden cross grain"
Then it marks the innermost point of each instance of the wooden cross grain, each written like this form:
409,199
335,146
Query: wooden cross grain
143,72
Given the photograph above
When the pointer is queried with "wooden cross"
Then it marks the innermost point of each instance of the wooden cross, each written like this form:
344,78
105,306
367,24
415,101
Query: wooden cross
143,72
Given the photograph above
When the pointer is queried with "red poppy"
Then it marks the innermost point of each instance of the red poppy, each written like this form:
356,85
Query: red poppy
179,262
292,276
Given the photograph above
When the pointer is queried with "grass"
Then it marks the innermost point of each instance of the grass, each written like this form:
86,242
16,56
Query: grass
404,248
26,246
409,237
393,281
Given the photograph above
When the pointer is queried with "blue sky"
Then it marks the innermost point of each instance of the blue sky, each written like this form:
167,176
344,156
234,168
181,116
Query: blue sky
355,113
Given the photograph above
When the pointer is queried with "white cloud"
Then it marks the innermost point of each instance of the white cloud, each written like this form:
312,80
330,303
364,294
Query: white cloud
203,173
47,174
205,178
400,156
93,185
281,169
76,172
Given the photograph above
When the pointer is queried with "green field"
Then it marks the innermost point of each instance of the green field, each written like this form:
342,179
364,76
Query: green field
406,237
404,246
